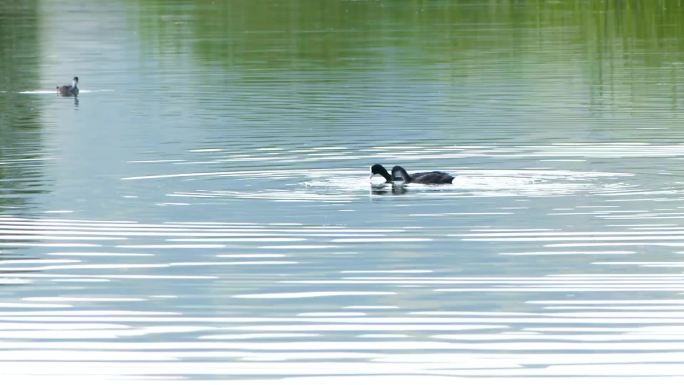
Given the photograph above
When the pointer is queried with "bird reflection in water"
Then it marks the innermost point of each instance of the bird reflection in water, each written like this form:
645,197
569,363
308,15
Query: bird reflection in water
387,189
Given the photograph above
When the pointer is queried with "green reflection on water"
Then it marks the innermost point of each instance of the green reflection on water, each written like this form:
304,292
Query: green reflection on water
20,137
283,33
627,54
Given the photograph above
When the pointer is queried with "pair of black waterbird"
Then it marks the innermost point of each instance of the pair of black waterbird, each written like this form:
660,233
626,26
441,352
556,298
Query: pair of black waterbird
399,175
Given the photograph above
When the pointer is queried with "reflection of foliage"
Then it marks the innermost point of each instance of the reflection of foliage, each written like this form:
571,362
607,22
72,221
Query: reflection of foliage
615,53
19,129
18,42
337,33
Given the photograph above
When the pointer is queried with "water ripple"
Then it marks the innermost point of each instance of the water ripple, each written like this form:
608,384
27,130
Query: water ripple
376,322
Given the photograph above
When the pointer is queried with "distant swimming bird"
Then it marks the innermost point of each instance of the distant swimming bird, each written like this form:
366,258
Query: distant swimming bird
69,90
378,169
432,177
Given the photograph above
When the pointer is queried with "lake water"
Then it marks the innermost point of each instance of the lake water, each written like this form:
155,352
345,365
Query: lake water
202,211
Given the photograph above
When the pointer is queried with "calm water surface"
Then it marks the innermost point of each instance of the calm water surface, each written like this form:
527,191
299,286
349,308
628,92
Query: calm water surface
202,212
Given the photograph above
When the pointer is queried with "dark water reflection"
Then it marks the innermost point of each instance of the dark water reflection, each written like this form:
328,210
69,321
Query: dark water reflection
204,211
21,152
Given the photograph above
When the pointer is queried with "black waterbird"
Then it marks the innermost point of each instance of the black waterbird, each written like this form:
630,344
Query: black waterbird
399,175
378,169
69,90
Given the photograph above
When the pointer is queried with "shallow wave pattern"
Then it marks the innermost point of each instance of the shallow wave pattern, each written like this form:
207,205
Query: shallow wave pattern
262,301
